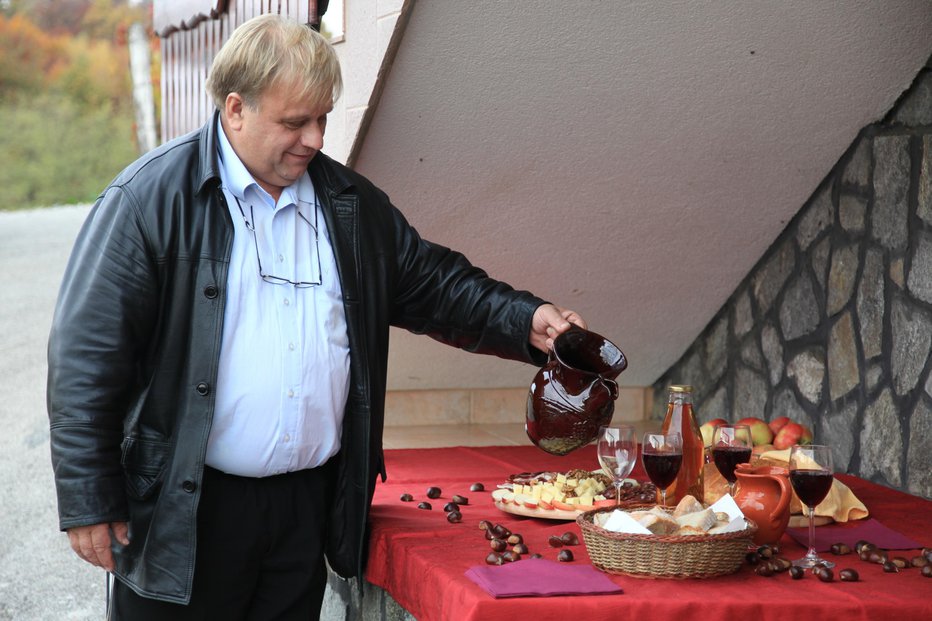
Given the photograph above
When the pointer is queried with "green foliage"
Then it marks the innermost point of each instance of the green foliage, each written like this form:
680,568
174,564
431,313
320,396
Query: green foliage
54,152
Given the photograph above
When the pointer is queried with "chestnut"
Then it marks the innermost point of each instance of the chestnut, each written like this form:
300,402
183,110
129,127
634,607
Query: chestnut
900,562
433,492
764,569
451,506
765,551
485,525
536,555
494,559
514,538
460,500
424,505
918,561
406,498
926,571
890,567
520,548
861,544
797,573
565,556
825,574
781,564
569,539
511,556
752,558
555,541
840,549
454,517
477,487
877,556
848,575
498,545
500,531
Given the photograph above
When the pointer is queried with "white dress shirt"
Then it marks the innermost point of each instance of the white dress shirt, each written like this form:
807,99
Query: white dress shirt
284,360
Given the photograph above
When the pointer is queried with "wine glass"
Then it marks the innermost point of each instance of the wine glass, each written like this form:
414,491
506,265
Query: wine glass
811,476
617,450
662,454
731,445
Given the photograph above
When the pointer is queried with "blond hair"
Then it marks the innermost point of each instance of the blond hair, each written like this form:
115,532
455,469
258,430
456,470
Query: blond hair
269,49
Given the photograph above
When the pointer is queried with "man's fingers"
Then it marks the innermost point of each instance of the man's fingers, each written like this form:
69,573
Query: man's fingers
92,544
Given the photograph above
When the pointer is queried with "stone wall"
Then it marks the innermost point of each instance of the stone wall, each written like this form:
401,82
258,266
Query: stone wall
833,327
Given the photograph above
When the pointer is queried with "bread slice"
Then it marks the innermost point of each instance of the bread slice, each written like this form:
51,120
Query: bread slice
658,525
688,504
703,520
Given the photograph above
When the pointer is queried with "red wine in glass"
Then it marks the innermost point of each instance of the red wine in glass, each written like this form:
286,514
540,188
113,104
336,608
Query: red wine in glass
662,455
727,458
731,445
811,477
811,486
662,468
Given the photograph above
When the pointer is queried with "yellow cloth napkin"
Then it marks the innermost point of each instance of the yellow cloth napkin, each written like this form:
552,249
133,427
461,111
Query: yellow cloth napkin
840,504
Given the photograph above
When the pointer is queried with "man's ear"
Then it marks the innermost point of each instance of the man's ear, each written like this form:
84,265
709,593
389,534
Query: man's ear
233,111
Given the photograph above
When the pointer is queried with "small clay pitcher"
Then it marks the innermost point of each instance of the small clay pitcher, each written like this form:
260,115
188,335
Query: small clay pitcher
763,494
574,393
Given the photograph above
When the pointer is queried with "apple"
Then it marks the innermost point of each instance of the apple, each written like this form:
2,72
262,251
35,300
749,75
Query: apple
760,431
788,436
777,424
806,437
706,429
563,506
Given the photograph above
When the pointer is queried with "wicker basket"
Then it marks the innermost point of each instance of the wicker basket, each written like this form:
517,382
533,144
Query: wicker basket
664,556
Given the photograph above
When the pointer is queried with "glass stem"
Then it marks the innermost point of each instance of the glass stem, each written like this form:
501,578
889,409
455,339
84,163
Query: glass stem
812,551
617,493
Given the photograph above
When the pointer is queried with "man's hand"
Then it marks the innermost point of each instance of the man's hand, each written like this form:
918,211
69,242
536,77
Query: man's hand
550,321
92,543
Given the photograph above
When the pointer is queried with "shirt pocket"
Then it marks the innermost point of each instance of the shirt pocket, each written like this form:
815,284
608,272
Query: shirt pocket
144,461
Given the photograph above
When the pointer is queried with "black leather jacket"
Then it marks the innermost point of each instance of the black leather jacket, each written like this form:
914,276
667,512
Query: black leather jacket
135,342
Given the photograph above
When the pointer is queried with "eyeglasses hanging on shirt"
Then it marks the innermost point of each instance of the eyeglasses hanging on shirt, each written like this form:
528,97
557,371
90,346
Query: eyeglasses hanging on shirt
315,263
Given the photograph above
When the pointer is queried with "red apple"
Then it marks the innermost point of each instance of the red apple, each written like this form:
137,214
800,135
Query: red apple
608,502
706,429
562,506
788,436
777,424
806,437
760,431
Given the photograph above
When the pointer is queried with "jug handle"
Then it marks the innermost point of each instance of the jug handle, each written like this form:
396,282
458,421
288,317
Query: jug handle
786,494
612,387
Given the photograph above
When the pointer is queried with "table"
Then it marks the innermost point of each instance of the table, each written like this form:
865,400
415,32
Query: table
419,558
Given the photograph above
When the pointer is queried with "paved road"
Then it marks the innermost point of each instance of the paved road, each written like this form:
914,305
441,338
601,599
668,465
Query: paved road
40,578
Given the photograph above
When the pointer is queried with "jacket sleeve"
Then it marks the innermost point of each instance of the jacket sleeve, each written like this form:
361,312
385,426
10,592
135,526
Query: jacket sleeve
443,295
104,309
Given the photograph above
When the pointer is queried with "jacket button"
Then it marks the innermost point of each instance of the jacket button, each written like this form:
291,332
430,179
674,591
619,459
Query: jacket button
202,389
210,291
189,486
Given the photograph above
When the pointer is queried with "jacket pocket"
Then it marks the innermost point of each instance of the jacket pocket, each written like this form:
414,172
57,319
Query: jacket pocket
144,461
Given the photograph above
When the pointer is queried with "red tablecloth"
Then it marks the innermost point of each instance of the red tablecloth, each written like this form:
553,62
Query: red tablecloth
420,558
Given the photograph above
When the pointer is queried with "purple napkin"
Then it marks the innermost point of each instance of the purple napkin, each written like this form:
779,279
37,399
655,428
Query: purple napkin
869,530
540,577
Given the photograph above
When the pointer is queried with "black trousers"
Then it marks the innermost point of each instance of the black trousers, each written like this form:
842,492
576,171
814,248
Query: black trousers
260,552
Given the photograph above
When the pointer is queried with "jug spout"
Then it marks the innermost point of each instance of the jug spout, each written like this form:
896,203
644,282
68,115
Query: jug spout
574,393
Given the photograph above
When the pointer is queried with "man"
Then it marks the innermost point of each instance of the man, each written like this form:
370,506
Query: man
217,359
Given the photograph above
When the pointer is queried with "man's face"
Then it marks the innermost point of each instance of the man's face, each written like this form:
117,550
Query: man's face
276,140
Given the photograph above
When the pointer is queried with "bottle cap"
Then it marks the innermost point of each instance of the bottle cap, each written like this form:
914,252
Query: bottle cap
681,388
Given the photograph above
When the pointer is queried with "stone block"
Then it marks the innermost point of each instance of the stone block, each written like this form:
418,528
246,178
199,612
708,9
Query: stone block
716,348
870,304
924,206
841,277
916,106
911,329
857,170
772,347
889,218
919,279
799,311
750,393
785,404
842,358
807,369
743,313
852,212
819,260
919,472
881,441
769,280
838,431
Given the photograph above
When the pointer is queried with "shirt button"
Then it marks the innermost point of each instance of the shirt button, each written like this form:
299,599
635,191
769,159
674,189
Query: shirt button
281,258
287,302
290,393
287,438
291,346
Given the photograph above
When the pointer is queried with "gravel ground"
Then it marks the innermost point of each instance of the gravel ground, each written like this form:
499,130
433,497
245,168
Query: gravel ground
40,578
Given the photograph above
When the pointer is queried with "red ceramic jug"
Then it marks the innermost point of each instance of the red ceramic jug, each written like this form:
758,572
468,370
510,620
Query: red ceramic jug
574,393
763,494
